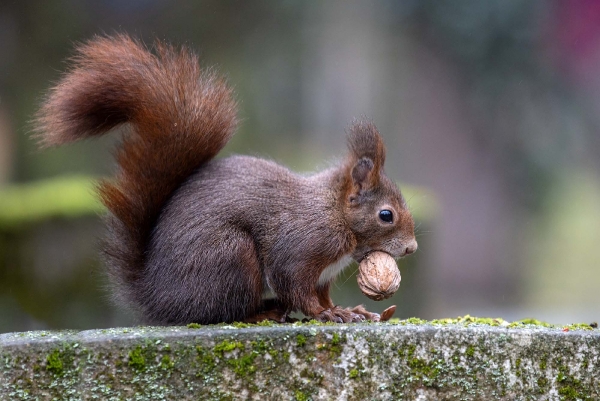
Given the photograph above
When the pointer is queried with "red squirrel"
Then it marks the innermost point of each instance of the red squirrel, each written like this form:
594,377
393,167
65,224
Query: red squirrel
195,239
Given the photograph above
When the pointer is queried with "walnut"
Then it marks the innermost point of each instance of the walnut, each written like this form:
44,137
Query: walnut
378,276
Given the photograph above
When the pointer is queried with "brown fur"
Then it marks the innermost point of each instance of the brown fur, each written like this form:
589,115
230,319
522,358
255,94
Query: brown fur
192,239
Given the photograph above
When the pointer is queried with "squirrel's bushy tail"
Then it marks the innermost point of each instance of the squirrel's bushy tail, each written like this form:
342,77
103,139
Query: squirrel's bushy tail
179,117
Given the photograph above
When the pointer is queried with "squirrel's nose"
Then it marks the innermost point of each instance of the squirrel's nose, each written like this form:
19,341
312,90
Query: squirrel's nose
411,247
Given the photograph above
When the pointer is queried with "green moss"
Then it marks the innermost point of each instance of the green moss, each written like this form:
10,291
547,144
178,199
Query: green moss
310,358
461,320
518,371
569,387
59,361
136,359
54,363
300,396
470,351
358,371
300,340
465,320
263,323
260,346
166,362
578,326
241,325
336,339
414,320
411,350
243,365
468,320
530,322
443,322
206,361
335,350
228,346
569,393
423,370
266,323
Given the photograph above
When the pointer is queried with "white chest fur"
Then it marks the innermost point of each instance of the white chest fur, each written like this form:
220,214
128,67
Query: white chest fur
332,271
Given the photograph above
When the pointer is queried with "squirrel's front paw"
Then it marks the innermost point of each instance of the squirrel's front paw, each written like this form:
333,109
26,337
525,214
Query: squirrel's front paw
348,315
375,317
366,315
328,316
339,315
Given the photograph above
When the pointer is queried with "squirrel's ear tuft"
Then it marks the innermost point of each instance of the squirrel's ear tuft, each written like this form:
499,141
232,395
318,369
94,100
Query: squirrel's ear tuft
364,141
367,154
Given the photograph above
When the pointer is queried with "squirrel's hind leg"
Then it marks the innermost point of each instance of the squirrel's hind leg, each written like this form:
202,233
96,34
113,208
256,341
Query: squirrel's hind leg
222,283
270,309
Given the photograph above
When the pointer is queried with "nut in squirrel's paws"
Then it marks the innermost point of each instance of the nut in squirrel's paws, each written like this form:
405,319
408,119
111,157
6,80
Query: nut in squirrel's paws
378,276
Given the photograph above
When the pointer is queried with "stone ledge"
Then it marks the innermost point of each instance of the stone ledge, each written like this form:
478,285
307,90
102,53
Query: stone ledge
381,361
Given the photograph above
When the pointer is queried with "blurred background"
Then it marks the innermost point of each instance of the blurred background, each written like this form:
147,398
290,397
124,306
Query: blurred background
490,112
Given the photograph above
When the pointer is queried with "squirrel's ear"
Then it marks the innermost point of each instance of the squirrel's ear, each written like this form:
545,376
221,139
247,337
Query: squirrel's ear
367,154
362,172
364,141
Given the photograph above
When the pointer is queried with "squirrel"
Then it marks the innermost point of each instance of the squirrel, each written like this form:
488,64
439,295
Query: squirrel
191,238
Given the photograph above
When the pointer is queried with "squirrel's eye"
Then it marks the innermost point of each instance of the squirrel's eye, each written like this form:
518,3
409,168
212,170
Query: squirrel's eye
386,215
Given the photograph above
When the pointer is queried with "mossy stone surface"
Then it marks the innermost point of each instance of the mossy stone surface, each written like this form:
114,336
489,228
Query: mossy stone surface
400,360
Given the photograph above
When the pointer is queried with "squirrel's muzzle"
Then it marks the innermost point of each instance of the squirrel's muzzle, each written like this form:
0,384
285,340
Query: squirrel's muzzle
411,247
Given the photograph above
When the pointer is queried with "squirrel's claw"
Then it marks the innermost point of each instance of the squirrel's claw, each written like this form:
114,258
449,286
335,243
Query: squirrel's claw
375,317
360,310
348,315
328,316
339,315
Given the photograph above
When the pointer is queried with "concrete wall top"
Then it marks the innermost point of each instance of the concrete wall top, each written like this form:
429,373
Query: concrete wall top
399,360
